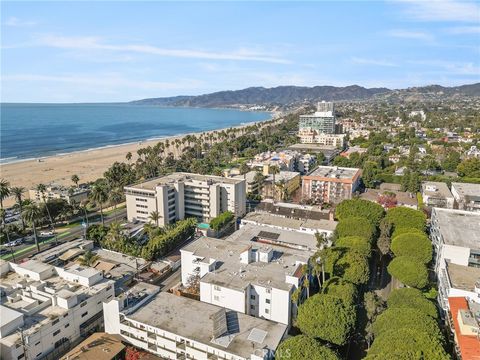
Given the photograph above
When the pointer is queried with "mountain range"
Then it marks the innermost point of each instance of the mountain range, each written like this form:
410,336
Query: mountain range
285,95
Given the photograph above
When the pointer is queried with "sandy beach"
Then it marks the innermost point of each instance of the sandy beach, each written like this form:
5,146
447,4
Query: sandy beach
88,165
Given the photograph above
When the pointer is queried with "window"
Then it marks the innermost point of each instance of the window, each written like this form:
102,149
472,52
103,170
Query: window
267,311
83,304
108,297
67,325
37,343
252,307
55,321
20,356
268,291
216,298
216,287
108,288
65,315
267,301
55,333
85,314
252,297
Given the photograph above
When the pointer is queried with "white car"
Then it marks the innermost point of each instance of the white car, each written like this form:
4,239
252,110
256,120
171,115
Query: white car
46,233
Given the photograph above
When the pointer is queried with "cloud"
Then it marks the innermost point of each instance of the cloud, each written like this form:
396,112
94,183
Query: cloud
96,43
376,62
442,10
409,34
16,22
461,30
450,67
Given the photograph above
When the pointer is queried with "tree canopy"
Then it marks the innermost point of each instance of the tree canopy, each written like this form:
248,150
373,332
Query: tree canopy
326,317
469,168
357,243
409,271
355,226
353,266
412,298
404,230
403,217
414,245
360,208
304,347
341,288
221,220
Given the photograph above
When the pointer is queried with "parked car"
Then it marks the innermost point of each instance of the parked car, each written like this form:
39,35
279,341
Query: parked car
46,233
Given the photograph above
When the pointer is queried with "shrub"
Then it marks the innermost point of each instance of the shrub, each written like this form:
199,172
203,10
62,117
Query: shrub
221,220
413,245
409,271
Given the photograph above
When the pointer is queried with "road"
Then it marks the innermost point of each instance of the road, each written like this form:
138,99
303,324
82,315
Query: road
25,250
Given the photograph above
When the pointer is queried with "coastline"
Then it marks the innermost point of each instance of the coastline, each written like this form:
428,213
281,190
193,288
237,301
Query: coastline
88,164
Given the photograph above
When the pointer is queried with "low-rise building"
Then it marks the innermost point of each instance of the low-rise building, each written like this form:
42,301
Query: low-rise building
45,308
252,185
295,211
180,195
246,274
98,346
458,280
286,183
330,184
394,197
311,136
353,149
329,152
292,227
437,194
467,196
455,237
175,327
53,191
464,323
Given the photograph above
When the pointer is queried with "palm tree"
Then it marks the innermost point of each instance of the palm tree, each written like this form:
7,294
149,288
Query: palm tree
244,169
99,196
75,179
155,216
128,156
115,196
4,191
88,259
274,170
18,192
32,214
41,188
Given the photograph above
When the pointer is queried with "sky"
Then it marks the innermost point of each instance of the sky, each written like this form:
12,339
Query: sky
120,51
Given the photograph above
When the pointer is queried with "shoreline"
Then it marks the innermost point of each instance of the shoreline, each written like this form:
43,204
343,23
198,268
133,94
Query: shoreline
88,164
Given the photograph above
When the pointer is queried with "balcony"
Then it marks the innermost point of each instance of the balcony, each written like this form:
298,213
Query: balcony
151,335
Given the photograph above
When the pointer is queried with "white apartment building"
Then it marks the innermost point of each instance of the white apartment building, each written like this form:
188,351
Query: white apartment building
467,196
244,274
458,281
437,194
44,308
180,195
455,237
312,136
53,191
174,327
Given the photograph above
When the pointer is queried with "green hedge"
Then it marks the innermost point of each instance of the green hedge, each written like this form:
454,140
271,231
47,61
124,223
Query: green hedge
414,245
409,271
355,226
221,220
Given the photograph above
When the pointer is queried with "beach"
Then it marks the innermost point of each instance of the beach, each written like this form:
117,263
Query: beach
89,165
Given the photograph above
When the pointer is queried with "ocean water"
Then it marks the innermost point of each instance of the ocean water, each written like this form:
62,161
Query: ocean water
37,130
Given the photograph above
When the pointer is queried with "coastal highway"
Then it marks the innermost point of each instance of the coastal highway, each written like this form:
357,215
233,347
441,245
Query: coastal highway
25,250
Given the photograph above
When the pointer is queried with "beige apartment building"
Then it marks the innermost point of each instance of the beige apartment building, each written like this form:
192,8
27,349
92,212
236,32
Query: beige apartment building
180,195
330,184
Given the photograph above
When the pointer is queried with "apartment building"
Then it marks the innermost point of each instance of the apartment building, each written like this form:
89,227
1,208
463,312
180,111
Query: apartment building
174,327
286,183
54,191
252,186
458,280
467,196
455,237
464,323
437,194
330,184
247,272
180,195
45,308
311,136
322,121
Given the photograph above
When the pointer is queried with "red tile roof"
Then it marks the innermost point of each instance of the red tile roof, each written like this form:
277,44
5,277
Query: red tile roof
469,345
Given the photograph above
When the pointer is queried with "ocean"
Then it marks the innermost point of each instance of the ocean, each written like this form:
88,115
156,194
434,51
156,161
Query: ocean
38,130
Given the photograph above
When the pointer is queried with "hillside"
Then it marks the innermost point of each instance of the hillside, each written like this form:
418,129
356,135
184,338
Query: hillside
285,95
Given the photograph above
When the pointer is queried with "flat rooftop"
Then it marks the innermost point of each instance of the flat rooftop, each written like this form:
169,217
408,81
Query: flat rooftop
334,172
232,273
467,190
57,251
98,346
463,277
290,223
441,189
195,320
179,176
401,196
458,227
283,176
314,148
